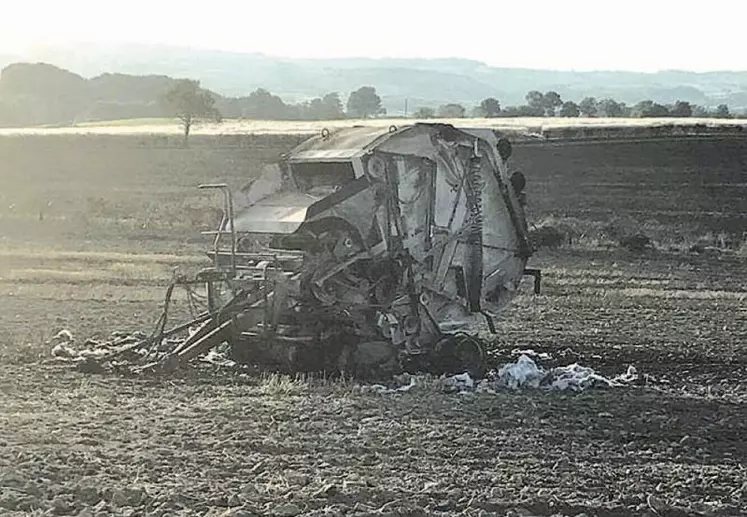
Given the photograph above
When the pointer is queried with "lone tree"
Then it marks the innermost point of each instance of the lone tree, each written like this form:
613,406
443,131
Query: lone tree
490,107
364,102
190,103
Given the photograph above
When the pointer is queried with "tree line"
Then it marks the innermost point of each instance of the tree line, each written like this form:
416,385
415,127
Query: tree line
188,101
263,105
43,94
551,104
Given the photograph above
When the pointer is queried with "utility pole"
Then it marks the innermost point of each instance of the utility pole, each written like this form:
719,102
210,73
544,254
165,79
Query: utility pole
406,107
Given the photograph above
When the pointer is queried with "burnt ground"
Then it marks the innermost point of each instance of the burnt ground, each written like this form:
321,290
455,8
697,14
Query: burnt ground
206,442
201,442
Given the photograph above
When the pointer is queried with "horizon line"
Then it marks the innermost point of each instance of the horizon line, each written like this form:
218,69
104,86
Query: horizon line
23,56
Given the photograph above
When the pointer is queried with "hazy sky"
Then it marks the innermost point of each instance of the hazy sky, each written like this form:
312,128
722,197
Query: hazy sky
644,35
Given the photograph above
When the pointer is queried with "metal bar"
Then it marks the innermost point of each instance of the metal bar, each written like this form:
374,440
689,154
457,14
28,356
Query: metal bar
509,198
206,342
491,323
227,215
233,231
206,327
537,274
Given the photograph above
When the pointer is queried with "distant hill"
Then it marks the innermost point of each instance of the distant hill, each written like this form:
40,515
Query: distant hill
39,93
422,81
125,81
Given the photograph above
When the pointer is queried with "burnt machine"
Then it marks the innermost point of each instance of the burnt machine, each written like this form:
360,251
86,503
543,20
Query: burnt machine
369,251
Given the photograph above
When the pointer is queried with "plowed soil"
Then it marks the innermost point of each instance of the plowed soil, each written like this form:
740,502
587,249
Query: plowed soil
211,442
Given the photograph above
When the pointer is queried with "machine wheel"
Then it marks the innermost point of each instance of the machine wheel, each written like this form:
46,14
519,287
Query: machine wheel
460,353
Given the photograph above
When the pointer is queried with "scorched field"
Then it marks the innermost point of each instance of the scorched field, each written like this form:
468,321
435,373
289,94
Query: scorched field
93,227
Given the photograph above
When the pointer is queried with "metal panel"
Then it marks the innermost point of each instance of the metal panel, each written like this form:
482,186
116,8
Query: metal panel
278,213
342,145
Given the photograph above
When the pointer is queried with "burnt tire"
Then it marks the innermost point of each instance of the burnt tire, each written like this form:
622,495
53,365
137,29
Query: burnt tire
460,353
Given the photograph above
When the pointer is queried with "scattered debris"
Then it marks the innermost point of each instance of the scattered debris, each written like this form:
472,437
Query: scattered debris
400,386
542,356
121,352
355,282
523,372
526,373
131,353
459,383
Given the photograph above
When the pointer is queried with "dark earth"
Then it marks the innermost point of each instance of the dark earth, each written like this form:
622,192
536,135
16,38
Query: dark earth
216,442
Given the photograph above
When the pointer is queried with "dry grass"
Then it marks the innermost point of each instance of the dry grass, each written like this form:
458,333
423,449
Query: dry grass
113,274
245,127
35,253
590,233
690,294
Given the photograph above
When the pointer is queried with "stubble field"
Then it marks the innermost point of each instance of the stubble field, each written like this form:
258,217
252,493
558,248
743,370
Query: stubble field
92,228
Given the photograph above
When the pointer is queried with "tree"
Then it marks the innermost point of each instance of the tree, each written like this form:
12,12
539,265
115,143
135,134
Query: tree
490,107
569,109
650,109
522,111
700,112
551,101
722,111
424,112
333,106
588,107
681,109
364,102
187,101
609,108
535,100
328,107
452,111
262,105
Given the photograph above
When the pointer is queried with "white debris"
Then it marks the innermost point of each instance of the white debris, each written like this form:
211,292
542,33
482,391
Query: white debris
577,377
407,387
381,389
523,372
630,376
464,379
64,336
64,351
63,343
542,356
460,383
219,358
